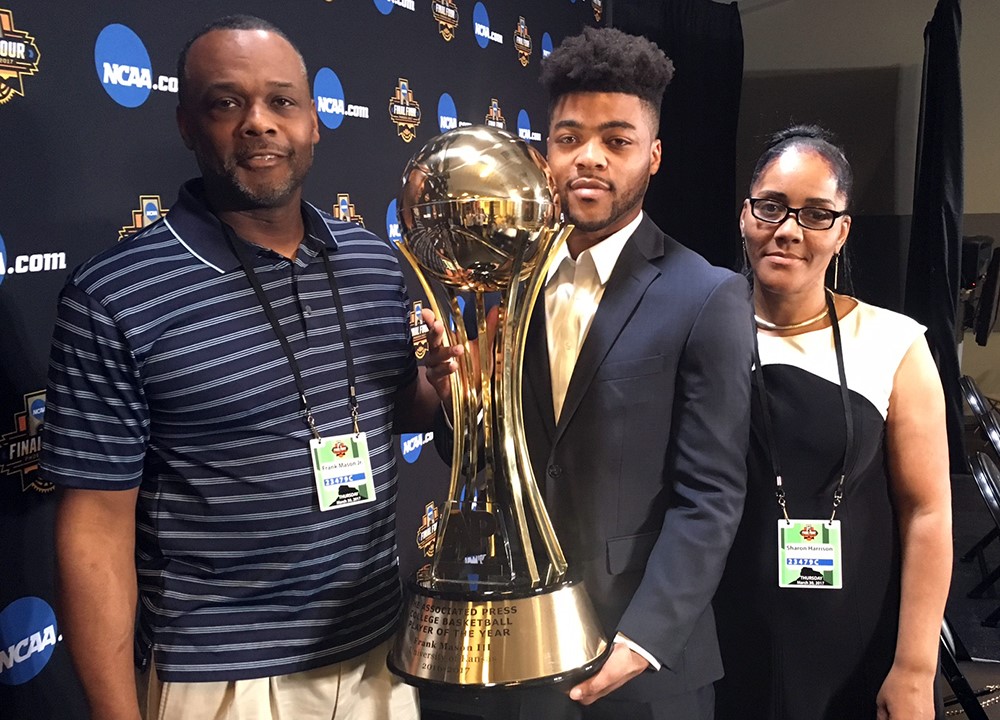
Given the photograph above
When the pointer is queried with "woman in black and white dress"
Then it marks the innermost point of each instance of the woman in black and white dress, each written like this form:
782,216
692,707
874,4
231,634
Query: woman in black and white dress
832,601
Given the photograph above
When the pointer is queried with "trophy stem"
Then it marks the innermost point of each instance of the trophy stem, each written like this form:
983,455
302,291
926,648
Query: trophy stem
466,420
463,410
484,372
518,481
514,431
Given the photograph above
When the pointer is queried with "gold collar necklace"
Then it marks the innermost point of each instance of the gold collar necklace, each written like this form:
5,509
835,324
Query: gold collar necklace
761,322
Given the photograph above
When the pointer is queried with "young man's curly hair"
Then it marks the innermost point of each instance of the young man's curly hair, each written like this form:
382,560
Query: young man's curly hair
608,60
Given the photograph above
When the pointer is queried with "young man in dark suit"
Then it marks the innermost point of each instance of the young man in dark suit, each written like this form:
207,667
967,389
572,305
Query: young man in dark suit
637,393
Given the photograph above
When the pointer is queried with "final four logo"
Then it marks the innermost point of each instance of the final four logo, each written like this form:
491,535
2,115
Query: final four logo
344,210
598,6
427,532
494,117
19,57
150,210
404,111
19,449
446,14
522,42
418,330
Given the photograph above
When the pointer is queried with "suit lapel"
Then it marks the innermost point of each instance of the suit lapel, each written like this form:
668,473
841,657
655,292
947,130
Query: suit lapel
631,277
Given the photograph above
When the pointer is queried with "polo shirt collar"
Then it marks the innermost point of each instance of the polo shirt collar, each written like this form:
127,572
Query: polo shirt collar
195,226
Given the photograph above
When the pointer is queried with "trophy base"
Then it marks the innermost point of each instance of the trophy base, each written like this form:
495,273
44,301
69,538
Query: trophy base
498,640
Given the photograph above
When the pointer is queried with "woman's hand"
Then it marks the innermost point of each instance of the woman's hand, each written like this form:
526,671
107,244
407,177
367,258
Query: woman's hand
906,695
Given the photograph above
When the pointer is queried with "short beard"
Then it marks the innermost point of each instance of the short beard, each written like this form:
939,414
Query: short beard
619,208
235,195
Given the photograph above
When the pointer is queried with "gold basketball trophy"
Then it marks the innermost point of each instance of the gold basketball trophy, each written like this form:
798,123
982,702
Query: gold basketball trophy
479,212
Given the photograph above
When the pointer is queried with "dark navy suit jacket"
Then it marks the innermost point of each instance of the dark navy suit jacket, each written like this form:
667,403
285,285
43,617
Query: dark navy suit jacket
644,475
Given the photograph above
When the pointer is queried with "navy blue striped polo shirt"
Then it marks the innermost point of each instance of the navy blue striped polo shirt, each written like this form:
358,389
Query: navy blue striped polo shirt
165,374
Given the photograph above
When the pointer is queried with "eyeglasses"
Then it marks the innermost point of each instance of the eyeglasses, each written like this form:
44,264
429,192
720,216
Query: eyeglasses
811,218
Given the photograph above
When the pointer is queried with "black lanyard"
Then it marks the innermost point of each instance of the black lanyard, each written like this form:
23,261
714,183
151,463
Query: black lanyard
242,253
838,493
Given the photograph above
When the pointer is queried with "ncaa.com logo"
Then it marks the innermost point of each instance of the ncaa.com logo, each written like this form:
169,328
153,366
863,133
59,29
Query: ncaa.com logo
448,114
328,94
524,130
411,444
36,262
124,69
385,6
392,224
546,45
481,26
28,635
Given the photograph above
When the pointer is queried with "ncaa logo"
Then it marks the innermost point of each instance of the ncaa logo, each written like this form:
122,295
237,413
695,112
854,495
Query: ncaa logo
37,411
329,94
150,212
412,444
27,639
392,224
385,6
123,65
481,27
524,128
546,45
447,113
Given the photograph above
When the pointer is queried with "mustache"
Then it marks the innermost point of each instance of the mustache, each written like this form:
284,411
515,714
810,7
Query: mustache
590,180
248,151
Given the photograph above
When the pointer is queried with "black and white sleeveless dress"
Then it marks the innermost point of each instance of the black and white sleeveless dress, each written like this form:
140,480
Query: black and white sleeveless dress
793,654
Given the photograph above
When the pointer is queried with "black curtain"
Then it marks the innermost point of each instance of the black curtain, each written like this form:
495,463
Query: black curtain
933,272
691,198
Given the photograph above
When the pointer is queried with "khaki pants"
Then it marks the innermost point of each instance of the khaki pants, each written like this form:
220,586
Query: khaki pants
361,688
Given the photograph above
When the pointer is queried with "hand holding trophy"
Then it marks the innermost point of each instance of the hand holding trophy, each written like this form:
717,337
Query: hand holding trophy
479,213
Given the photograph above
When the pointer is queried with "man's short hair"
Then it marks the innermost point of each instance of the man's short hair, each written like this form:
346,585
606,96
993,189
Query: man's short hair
229,22
608,60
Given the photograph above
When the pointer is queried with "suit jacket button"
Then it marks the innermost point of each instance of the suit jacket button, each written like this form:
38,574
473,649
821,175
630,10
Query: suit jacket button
555,471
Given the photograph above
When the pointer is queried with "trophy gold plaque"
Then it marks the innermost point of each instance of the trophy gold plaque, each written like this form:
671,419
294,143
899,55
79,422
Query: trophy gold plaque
479,213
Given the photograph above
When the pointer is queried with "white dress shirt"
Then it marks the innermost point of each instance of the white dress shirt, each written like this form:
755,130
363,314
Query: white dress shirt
573,291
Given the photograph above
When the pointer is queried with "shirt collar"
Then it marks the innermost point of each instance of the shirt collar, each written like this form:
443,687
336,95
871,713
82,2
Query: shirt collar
200,231
604,254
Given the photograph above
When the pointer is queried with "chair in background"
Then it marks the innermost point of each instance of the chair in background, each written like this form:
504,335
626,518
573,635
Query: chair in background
982,410
988,427
987,478
953,652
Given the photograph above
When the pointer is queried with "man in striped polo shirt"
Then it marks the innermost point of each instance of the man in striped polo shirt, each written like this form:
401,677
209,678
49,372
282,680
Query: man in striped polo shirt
214,381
